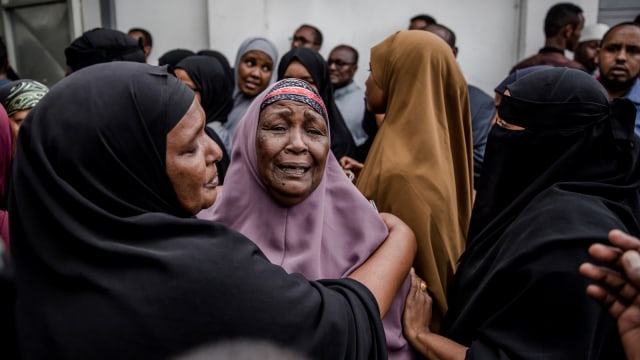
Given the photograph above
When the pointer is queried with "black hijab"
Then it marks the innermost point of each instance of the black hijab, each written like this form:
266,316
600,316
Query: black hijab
212,82
173,57
215,89
545,195
222,59
108,265
341,140
102,45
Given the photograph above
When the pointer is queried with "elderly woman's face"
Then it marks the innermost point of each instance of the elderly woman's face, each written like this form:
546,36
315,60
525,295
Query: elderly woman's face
254,72
292,145
191,161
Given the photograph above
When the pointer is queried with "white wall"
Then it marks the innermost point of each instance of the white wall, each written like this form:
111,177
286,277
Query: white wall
492,34
173,24
363,24
532,25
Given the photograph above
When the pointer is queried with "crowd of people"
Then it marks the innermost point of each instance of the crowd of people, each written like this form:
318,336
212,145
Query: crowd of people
275,209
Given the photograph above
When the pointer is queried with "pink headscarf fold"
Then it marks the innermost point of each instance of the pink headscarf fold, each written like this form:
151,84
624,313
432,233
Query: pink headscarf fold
327,235
6,146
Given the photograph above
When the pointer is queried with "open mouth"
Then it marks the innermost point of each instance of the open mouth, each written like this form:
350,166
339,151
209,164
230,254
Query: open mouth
213,182
294,170
251,84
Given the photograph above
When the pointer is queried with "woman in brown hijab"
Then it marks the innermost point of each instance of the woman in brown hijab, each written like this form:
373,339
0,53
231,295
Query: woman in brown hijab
420,166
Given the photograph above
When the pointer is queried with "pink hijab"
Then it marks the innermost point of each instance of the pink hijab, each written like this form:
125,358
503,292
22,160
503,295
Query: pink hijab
6,146
327,235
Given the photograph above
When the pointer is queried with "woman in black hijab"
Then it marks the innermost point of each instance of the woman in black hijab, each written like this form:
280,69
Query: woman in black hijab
110,262
221,58
172,57
207,77
102,45
341,140
561,170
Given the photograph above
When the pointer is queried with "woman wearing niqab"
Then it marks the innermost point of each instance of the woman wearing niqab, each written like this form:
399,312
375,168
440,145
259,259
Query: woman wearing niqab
110,265
342,143
420,166
561,171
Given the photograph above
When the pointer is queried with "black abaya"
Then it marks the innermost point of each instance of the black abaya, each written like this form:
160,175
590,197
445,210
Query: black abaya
545,195
109,266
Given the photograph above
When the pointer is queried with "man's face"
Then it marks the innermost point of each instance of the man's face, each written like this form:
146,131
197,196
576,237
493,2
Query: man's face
305,37
418,24
342,67
619,58
574,36
586,53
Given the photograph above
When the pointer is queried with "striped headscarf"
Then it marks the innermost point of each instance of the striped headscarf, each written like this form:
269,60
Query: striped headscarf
297,90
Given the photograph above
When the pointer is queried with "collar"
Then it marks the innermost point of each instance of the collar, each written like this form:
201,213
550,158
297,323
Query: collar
551,49
345,89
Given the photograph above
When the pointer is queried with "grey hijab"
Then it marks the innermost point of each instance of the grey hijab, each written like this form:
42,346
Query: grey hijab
241,102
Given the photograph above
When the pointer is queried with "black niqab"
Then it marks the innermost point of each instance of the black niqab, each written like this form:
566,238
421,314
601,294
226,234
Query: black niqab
546,193
109,266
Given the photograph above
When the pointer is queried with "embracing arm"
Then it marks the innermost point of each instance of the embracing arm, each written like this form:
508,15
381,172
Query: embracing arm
385,271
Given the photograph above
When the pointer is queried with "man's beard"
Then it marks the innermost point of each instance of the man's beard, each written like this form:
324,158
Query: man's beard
616,85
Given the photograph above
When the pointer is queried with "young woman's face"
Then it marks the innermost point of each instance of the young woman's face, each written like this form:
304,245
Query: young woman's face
191,161
297,71
375,96
254,72
292,145
186,79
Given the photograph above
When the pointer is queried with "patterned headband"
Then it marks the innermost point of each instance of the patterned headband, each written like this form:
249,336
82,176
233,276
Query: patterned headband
25,95
296,90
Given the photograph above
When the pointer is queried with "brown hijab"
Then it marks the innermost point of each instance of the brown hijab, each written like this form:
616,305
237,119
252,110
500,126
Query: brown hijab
420,166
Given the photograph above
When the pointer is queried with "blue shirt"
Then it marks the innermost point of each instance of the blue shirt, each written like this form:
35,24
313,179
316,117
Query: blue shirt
634,95
350,102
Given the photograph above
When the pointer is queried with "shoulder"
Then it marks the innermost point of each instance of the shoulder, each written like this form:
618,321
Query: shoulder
527,62
560,217
634,93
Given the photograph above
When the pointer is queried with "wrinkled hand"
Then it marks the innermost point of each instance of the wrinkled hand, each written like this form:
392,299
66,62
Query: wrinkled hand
417,311
350,165
618,291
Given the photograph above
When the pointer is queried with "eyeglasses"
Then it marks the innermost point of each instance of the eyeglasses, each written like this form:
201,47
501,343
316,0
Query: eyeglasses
338,63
